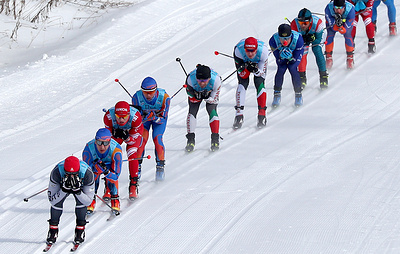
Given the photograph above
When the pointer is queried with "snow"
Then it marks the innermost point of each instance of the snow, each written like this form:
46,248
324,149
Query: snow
320,179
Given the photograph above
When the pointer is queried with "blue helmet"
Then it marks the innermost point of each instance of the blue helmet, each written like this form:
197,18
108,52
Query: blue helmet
103,134
149,84
304,15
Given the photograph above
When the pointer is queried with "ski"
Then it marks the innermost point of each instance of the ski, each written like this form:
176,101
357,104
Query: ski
75,247
48,247
113,214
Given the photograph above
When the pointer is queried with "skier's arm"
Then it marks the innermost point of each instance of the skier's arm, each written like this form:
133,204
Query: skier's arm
54,192
87,194
214,96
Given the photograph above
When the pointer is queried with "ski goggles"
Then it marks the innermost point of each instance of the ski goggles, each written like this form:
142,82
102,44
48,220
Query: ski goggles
102,142
304,22
119,116
338,7
202,80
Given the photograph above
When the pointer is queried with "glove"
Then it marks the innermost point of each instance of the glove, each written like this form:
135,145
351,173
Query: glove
286,53
121,133
149,117
252,67
338,20
205,94
308,38
71,184
101,167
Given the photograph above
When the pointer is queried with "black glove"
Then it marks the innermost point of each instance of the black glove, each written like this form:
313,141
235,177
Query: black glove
103,167
71,184
121,133
338,20
252,67
197,95
308,38
205,94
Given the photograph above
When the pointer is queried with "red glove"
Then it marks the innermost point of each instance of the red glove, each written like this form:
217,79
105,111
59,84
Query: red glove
341,29
244,74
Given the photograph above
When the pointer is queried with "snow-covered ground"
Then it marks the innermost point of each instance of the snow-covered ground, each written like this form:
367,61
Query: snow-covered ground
321,179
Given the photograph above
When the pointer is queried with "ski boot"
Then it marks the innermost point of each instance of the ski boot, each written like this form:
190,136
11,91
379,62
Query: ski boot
261,121
303,79
115,203
392,29
107,195
329,60
90,208
79,232
323,79
190,142
298,100
160,174
133,188
237,124
53,232
214,142
350,60
371,46
277,99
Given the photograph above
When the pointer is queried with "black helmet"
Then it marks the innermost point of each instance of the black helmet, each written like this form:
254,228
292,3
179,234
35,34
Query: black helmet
339,3
284,30
304,15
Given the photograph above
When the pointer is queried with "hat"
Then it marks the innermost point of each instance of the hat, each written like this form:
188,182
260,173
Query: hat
103,134
203,72
71,164
149,84
339,3
304,15
251,44
122,108
284,30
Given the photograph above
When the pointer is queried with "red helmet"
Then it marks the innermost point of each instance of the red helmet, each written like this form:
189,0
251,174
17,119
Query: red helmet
251,44
122,108
71,165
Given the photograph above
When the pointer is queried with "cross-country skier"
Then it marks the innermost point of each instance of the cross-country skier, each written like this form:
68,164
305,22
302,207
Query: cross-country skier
251,56
312,29
287,46
104,156
339,17
125,124
70,176
363,8
153,102
391,15
203,83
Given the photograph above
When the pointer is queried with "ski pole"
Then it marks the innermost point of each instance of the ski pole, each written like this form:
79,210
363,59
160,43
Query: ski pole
183,68
184,86
229,75
140,158
116,212
37,193
117,80
223,54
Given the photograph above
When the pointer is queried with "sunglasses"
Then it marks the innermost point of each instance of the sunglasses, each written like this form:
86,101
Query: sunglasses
250,50
203,80
304,22
338,7
102,142
119,116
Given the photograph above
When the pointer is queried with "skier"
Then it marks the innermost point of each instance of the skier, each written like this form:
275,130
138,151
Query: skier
287,46
125,124
339,16
391,15
104,156
202,83
251,56
153,102
70,176
363,8
312,29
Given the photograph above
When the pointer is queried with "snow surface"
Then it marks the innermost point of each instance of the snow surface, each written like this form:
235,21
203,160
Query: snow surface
322,179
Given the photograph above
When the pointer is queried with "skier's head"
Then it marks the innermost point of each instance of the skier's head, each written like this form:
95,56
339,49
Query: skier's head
122,109
203,75
103,139
149,87
250,44
304,15
71,165
285,33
